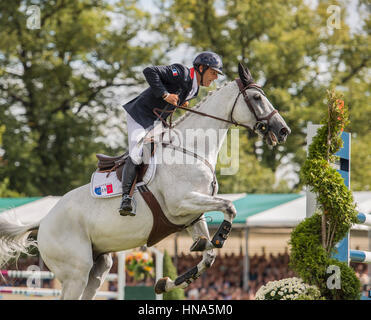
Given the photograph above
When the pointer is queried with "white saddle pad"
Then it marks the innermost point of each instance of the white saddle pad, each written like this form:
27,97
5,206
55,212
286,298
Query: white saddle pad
102,186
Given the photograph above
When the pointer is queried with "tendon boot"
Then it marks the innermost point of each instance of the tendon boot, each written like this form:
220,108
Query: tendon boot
128,176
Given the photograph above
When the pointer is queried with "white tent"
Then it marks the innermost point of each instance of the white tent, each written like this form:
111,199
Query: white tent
291,213
36,210
285,215
32,211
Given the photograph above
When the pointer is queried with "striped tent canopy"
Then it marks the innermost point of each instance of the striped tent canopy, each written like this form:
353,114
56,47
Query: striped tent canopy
252,204
257,210
11,203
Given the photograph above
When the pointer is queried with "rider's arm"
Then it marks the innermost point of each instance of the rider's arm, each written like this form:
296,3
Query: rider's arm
158,76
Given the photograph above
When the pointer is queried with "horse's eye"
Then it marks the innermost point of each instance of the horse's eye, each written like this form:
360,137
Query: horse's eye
257,96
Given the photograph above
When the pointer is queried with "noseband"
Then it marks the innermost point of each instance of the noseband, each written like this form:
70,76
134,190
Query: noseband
260,125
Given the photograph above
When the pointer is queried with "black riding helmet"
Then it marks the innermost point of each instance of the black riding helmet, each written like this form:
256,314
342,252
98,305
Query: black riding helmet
209,60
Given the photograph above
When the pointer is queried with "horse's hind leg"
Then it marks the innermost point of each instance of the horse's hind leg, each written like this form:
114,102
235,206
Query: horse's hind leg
74,278
69,258
73,274
97,275
73,289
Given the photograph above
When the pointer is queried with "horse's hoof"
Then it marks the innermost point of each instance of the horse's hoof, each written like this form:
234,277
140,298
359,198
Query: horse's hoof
199,244
160,286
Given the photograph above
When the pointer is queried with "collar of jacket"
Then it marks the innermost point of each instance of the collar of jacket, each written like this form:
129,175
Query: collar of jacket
192,73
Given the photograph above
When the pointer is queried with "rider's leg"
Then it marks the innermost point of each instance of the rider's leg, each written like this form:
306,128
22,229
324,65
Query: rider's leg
128,176
135,133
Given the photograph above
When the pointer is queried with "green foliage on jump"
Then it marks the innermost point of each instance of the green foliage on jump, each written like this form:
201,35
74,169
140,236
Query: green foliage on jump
313,241
170,271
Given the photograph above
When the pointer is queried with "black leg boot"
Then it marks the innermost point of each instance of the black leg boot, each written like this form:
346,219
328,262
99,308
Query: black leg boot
128,175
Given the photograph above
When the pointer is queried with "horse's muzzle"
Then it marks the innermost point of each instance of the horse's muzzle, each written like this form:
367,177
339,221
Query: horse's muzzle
283,134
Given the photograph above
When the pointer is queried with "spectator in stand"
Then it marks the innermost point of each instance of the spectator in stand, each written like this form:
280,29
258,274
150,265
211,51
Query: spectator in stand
361,271
193,292
225,279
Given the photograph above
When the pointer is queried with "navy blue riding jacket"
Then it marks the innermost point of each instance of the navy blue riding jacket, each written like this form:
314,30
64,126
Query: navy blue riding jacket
175,78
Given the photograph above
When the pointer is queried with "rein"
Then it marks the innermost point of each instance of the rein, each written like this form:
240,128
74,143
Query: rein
242,90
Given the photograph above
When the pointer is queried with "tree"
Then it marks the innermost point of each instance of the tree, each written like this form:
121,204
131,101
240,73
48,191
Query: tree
361,163
292,50
4,184
57,87
170,271
250,175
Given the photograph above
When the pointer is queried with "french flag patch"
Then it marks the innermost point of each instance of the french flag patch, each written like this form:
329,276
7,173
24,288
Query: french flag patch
175,72
104,189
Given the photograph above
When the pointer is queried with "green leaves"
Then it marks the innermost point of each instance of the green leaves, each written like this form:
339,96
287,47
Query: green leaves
313,240
88,53
290,50
57,88
249,174
4,183
170,271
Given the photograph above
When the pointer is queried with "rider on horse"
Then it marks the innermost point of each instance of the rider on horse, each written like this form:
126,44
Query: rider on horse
175,85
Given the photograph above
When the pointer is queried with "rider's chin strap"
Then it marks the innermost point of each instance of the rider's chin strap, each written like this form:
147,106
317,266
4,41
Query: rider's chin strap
201,73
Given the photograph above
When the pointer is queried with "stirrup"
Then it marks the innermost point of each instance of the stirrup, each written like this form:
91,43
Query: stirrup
129,210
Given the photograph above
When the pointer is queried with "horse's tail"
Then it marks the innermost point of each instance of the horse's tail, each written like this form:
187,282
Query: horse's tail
14,237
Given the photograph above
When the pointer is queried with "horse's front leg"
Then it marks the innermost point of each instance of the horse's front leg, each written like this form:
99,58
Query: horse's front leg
197,230
197,203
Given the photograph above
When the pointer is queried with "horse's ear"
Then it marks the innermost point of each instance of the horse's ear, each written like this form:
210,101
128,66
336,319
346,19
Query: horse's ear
244,74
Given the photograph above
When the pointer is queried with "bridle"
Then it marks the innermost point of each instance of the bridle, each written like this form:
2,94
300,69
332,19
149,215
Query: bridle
259,127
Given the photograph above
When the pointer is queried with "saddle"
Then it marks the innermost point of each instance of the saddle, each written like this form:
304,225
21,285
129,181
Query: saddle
161,227
116,163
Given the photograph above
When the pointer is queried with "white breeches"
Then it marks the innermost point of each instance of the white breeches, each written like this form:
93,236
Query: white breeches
135,133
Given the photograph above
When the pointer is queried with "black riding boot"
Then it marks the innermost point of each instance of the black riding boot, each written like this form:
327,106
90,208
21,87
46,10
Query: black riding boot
128,175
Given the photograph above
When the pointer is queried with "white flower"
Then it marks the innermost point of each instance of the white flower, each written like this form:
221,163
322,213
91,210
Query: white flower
287,289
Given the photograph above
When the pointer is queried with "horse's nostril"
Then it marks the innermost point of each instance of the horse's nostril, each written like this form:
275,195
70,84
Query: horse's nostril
284,132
